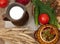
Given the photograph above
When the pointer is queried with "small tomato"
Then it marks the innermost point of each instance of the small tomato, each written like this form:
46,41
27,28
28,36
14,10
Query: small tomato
3,3
43,18
24,2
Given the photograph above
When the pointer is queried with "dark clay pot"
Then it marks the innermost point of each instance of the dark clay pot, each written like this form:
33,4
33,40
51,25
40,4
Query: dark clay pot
20,22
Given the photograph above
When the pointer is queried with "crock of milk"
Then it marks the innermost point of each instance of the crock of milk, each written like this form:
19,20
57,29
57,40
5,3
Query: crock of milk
16,12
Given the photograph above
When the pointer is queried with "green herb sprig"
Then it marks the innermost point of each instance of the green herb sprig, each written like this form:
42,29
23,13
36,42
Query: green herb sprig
40,7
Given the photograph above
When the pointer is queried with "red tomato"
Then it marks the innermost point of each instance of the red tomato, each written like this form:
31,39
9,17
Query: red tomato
24,2
3,3
43,18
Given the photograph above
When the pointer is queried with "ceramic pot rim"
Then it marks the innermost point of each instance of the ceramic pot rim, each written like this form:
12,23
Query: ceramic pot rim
12,5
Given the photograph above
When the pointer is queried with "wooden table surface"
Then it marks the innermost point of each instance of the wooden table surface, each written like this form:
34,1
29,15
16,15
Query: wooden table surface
2,23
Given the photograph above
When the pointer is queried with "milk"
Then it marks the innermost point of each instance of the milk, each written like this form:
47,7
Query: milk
16,12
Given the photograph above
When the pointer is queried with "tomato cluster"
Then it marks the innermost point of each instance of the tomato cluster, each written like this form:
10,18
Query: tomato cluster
4,3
